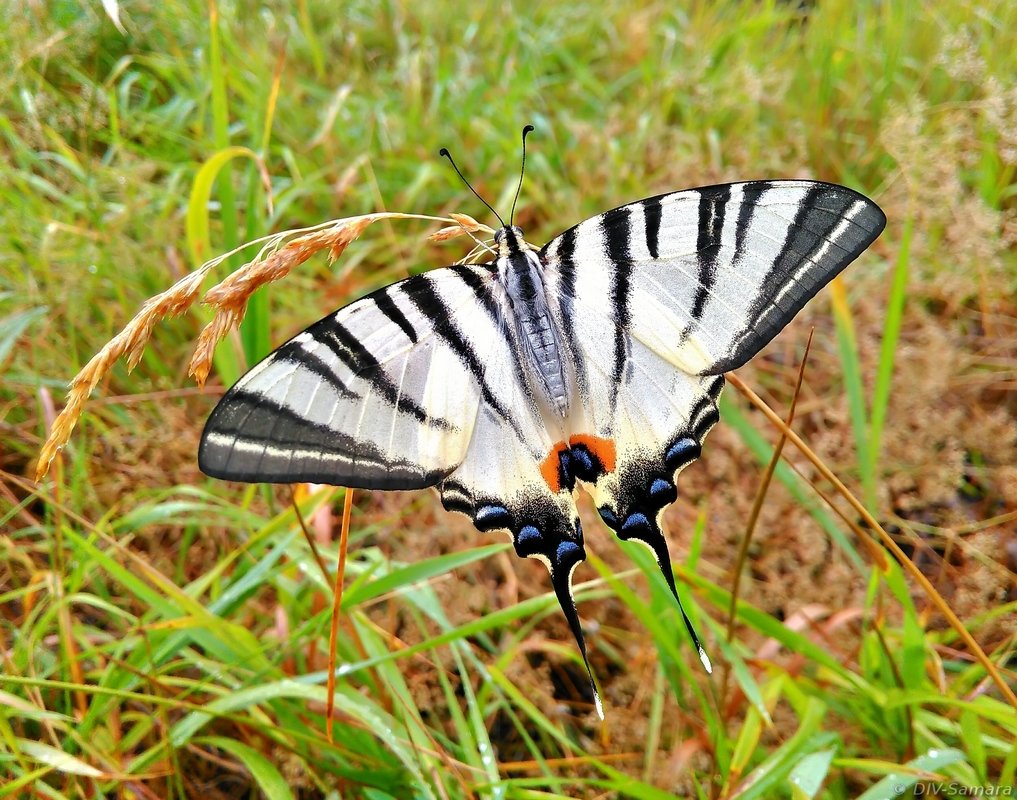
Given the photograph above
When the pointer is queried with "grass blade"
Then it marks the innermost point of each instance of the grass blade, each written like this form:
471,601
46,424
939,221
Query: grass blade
852,369
807,777
893,786
888,348
271,782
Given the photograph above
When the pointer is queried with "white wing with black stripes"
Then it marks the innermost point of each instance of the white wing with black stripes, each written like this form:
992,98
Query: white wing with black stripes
706,277
384,393
418,384
658,298
594,362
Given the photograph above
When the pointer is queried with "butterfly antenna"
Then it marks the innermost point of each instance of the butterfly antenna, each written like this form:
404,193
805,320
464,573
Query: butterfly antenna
444,152
522,170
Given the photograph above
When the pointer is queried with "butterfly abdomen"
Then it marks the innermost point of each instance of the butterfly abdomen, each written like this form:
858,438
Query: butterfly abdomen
519,270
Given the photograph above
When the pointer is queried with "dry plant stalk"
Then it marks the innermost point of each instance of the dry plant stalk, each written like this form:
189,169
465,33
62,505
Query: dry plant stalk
465,225
757,507
229,297
280,253
337,600
930,591
131,342
757,502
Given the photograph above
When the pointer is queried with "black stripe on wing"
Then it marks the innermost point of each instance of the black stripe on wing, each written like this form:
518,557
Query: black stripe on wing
251,438
293,352
617,230
751,193
564,255
480,285
713,204
652,214
388,307
423,295
832,226
364,366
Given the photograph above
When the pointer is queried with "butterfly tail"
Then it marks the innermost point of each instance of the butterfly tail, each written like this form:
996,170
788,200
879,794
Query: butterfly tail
650,535
558,543
561,565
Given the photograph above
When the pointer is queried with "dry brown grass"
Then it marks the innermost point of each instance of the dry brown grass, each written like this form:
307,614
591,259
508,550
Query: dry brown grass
280,253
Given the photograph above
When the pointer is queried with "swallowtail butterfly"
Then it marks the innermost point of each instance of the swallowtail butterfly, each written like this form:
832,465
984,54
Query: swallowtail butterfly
594,361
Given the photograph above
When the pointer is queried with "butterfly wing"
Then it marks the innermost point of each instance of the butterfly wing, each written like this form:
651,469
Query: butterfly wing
716,272
379,394
659,298
500,485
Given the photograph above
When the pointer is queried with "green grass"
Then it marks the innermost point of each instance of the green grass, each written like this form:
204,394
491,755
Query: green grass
163,634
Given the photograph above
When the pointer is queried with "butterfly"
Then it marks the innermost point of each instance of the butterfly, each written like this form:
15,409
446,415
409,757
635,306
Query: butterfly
595,361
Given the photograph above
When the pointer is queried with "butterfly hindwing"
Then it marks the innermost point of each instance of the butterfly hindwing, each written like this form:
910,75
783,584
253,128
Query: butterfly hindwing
656,428
632,435
502,484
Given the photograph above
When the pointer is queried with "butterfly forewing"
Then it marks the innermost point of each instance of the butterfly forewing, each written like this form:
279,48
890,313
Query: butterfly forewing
376,395
706,277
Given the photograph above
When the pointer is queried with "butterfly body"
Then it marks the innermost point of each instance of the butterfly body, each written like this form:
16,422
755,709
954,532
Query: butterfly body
541,351
595,362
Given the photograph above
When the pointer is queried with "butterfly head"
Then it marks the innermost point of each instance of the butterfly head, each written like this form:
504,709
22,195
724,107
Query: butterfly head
509,240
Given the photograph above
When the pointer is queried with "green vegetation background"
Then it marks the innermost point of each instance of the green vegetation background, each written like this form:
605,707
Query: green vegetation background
164,635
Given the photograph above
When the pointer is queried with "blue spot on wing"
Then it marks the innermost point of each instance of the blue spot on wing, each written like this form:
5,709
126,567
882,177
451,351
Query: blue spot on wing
527,533
662,491
490,517
635,524
609,517
564,548
584,463
681,453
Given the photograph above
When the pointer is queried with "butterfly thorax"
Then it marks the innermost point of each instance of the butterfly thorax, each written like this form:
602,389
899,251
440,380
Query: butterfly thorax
520,272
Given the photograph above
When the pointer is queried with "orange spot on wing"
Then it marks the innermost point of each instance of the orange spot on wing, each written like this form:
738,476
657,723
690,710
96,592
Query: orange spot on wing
601,449
550,467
